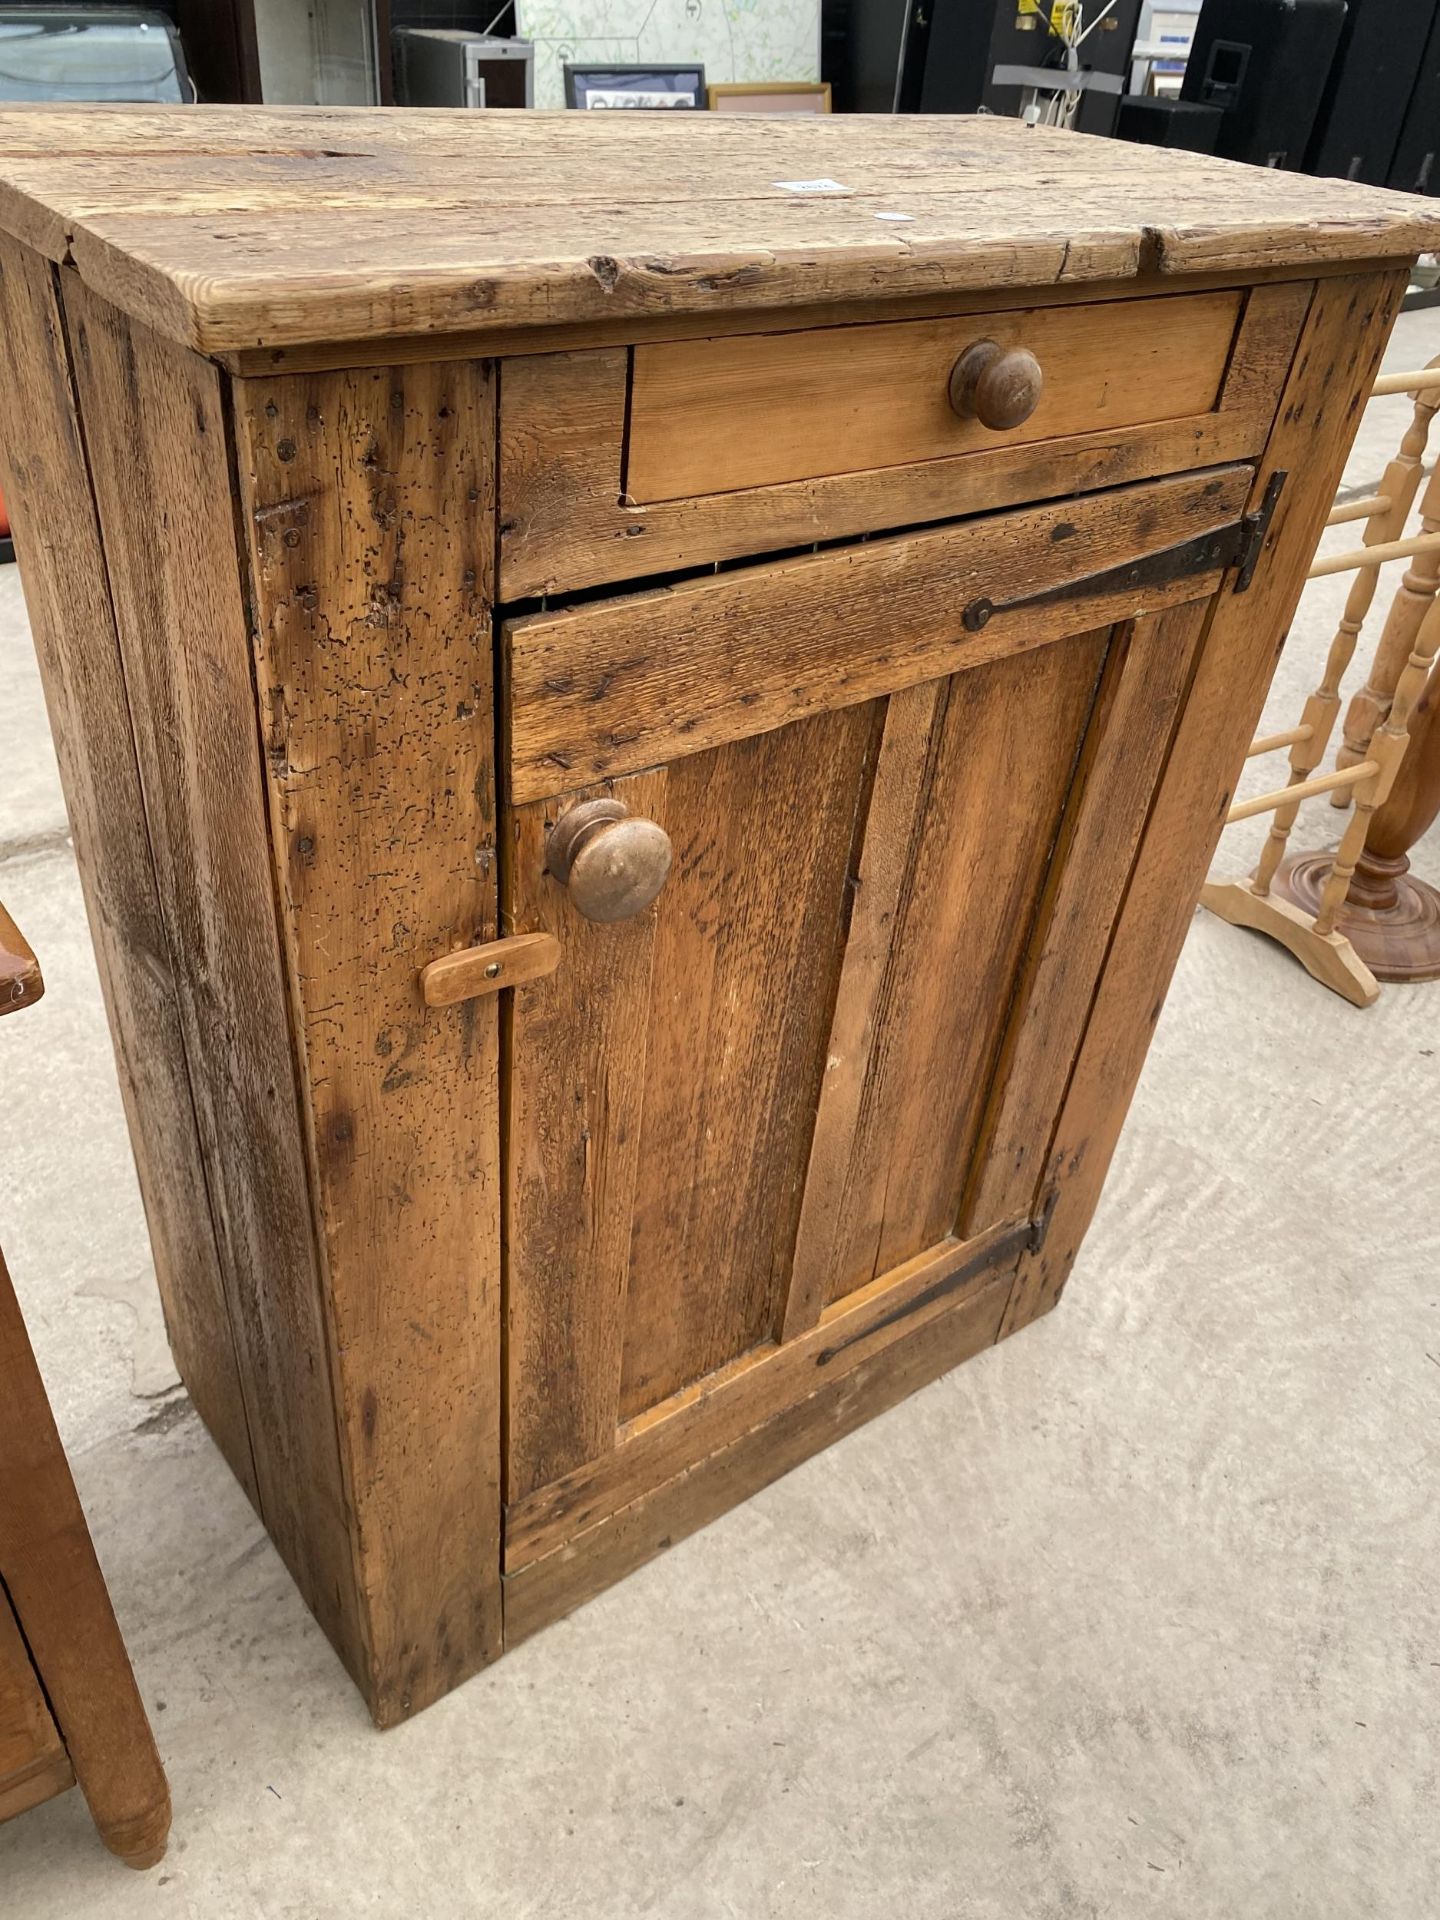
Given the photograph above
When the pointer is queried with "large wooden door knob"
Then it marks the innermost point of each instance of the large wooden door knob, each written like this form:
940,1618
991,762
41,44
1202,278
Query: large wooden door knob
998,386
612,862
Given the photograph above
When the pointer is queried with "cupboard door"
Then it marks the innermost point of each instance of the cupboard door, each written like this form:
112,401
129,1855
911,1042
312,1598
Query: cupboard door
799,1105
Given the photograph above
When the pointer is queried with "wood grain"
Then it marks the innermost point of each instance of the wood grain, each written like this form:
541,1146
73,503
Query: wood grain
1146,675
241,228
546,1589
565,522
488,968
51,506
34,1765
605,689
1339,354
371,550
661,1094
999,762
54,1584
711,416
155,432
625,330
710,1414
575,1071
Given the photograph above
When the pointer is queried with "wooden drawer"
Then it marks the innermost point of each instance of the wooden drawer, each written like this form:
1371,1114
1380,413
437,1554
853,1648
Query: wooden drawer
671,454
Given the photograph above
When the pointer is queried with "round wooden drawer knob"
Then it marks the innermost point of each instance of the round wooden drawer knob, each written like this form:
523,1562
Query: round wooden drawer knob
998,386
612,862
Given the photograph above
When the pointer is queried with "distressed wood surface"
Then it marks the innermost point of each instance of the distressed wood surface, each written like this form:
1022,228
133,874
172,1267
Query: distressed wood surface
237,228
629,1535
712,1413
54,1584
922,1008
155,434
608,688
34,1765
755,410
1339,354
626,330
1128,737
371,558
48,495
661,1092
564,522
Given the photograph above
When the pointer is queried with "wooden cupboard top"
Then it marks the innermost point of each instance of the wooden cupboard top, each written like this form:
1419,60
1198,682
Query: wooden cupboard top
239,227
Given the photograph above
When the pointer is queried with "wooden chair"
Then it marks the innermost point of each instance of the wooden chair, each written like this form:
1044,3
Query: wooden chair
1299,900
69,1708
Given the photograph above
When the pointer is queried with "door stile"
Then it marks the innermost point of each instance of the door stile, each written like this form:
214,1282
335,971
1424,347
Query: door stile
1147,672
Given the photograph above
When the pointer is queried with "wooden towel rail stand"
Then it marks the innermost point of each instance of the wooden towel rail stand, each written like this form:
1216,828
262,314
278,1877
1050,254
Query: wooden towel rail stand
1299,899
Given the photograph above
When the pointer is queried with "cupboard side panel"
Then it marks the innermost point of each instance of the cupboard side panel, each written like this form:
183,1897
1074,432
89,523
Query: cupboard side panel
1330,379
62,569
369,507
156,438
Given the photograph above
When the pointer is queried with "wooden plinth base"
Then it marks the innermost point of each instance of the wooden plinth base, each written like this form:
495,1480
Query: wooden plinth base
1392,920
1328,958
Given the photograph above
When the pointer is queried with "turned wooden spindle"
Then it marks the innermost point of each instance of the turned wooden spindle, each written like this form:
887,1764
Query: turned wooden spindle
1397,489
1388,746
1391,918
1408,609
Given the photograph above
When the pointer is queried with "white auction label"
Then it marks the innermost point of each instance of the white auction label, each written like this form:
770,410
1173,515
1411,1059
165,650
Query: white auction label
810,186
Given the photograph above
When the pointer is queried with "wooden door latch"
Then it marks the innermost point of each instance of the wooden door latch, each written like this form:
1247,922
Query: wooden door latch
486,969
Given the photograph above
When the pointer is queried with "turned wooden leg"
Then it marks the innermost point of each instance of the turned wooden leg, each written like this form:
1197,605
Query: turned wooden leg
1413,599
1391,918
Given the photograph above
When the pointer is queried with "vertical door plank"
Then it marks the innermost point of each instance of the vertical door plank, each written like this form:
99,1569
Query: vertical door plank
1146,674
747,958
1335,365
62,569
576,1079
901,784
369,507
155,433
1001,763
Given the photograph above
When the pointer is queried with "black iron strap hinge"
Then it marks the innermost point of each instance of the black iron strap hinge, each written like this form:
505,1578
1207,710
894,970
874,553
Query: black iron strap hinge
1238,544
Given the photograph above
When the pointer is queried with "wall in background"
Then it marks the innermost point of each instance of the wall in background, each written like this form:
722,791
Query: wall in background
735,39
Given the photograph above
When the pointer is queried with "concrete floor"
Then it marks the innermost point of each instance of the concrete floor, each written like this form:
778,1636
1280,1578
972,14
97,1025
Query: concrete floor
1137,1614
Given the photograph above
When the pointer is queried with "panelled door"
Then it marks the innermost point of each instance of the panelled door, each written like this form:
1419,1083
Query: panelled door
799,1106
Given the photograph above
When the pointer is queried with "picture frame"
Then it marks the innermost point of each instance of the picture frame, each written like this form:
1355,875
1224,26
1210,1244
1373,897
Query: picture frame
769,96
647,87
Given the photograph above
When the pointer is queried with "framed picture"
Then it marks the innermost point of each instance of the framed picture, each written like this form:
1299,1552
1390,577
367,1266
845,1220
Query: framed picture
770,96
604,88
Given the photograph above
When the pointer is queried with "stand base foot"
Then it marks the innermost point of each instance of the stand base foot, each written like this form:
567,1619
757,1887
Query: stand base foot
1328,958
1399,942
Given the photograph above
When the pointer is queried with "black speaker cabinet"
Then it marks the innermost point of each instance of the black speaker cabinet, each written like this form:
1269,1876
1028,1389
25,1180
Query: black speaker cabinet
1363,107
1156,122
1265,64
1415,164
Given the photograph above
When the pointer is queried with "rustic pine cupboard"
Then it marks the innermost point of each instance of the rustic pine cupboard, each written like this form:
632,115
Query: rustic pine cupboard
641,741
